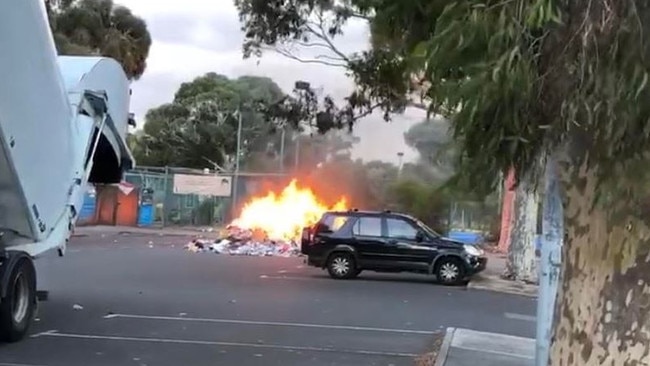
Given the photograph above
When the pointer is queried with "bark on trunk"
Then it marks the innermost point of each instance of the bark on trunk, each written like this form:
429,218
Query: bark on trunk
602,313
522,262
506,212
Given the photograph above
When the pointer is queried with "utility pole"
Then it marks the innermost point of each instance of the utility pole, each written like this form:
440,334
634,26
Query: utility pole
297,153
237,156
400,156
299,85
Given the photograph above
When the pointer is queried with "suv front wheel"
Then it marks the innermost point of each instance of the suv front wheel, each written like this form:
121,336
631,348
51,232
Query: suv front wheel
450,271
341,266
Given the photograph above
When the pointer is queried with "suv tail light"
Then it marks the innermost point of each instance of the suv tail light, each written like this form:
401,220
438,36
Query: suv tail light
306,239
306,234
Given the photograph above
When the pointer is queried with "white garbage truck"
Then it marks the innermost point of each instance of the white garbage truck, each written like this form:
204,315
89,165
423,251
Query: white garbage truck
63,124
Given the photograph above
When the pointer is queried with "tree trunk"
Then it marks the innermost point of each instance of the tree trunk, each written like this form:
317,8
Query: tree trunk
522,261
506,212
602,313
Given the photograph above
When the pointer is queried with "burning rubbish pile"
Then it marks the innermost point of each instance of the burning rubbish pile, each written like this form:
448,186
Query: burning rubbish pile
270,225
238,241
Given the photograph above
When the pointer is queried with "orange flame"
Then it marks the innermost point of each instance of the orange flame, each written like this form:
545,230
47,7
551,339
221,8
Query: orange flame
283,216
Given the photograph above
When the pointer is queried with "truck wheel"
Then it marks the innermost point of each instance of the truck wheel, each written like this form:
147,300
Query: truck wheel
341,266
19,304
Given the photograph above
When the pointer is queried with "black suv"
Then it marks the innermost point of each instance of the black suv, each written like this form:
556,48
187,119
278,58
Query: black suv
348,242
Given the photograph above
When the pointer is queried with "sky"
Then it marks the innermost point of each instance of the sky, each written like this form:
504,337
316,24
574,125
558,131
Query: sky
193,37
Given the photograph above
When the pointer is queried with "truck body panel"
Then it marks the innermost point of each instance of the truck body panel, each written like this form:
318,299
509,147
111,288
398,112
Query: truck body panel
60,118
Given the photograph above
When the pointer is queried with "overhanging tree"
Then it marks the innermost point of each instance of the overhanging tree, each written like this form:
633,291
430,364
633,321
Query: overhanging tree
198,128
522,80
100,28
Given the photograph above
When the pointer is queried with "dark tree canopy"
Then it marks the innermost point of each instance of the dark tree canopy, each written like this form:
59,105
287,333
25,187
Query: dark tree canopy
198,128
99,27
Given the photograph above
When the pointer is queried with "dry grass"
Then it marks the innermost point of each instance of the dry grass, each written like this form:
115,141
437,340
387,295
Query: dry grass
429,358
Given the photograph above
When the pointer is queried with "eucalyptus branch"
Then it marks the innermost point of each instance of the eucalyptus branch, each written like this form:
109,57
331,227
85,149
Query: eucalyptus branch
324,35
367,112
320,59
317,30
311,44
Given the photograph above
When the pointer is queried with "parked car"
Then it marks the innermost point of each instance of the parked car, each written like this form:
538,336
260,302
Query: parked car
346,243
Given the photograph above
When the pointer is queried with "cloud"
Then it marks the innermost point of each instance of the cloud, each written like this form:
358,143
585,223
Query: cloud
217,35
193,37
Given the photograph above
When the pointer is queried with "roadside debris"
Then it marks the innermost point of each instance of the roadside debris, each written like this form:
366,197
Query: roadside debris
236,241
77,307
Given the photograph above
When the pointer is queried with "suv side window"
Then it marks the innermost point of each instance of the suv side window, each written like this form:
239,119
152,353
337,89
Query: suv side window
367,226
331,223
400,229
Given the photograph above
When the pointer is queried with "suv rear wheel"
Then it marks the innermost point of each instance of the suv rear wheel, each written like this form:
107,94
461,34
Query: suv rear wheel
341,266
450,271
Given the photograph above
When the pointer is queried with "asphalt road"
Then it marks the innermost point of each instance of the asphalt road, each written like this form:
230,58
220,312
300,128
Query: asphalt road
143,300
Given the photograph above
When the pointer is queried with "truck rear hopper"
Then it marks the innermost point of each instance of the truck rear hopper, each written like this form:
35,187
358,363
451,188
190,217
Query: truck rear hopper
63,122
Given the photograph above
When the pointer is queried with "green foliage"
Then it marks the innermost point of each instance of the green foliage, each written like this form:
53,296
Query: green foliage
423,201
198,128
99,27
515,78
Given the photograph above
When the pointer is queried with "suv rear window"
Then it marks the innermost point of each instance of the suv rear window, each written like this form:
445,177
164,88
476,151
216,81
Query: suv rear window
331,223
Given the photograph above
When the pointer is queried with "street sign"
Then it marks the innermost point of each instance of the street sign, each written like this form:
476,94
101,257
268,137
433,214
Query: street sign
204,185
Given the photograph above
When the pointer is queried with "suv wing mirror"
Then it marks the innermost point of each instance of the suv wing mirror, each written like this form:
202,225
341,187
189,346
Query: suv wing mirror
419,236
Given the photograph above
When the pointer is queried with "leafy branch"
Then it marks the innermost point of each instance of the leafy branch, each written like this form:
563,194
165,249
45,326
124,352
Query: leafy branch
288,27
316,34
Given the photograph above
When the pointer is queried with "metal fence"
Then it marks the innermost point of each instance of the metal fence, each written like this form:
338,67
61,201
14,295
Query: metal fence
171,208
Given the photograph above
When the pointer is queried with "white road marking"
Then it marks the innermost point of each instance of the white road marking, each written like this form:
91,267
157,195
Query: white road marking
18,364
275,324
44,333
516,316
225,344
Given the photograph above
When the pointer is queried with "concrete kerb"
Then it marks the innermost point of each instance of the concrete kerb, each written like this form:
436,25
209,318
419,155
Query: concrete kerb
444,349
498,284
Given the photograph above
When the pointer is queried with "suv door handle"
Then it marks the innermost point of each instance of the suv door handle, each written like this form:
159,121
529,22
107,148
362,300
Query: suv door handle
391,242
